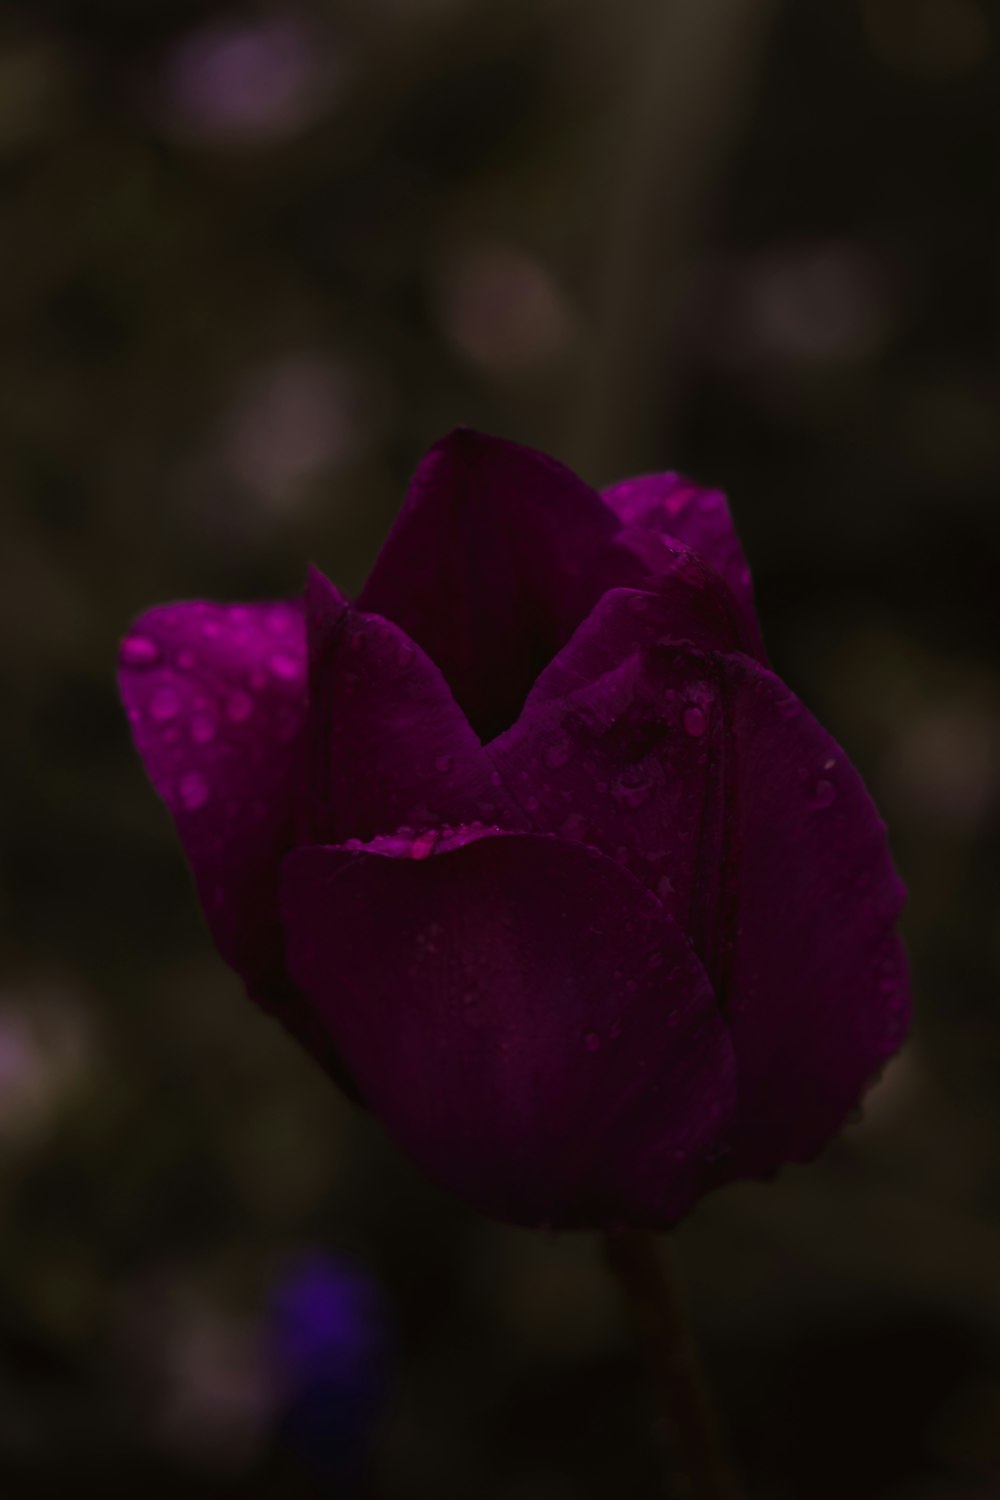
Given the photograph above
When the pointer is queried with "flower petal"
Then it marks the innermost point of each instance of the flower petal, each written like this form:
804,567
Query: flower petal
703,775
388,745
498,554
817,996
215,695
622,744
529,1023
701,519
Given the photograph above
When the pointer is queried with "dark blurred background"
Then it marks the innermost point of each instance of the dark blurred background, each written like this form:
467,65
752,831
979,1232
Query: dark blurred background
255,258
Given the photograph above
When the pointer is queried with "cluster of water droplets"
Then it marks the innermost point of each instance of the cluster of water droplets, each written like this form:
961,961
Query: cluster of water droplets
195,693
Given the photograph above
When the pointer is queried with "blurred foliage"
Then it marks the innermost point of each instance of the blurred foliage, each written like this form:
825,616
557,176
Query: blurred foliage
255,258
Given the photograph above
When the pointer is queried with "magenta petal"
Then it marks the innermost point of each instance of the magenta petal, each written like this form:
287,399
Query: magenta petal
528,1022
817,997
388,745
623,744
215,695
701,519
498,554
216,698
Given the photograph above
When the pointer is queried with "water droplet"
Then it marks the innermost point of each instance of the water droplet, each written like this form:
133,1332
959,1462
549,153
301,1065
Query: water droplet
531,804
165,705
622,855
193,790
443,764
631,794
574,827
211,629
615,1030
694,721
139,651
790,708
279,620
557,755
202,729
592,1041
404,655
186,660
655,961
631,985
664,887
824,793
288,668
239,707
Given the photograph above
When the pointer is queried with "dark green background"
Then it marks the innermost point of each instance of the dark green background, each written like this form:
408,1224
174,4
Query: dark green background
750,239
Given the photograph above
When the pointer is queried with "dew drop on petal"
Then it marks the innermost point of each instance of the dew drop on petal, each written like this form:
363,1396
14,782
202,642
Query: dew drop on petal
279,620
694,721
186,660
424,844
592,1041
193,790
557,755
164,705
631,794
443,764
139,651
404,656
615,1030
574,827
824,794
288,668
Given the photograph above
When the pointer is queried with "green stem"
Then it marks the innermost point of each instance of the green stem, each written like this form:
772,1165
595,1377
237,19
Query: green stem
694,1459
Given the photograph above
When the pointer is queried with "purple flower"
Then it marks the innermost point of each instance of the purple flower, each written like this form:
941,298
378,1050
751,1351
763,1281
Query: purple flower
531,848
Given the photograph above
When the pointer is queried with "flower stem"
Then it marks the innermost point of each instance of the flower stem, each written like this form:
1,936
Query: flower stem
694,1460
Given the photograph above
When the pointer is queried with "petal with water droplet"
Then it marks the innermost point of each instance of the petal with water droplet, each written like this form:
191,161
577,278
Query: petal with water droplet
700,519
388,744
506,1102
640,763
230,791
